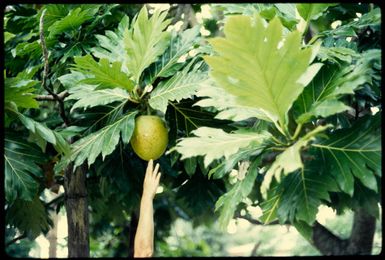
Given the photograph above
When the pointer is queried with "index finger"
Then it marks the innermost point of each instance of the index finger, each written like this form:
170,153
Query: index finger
150,166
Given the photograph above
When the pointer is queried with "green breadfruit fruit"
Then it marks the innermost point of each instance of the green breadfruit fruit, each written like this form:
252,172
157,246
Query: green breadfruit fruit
150,137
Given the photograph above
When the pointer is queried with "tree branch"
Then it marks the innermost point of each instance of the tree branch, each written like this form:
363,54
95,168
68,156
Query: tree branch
62,95
362,235
45,71
254,221
55,200
326,242
360,241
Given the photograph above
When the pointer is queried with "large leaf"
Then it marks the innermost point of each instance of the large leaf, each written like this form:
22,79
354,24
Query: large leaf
102,142
19,91
72,20
111,45
72,79
145,41
303,193
260,67
214,143
183,118
42,132
104,74
54,13
312,11
29,217
21,168
230,200
227,165
182,85
354,153
271,203
97,114
33,49
289,160
98,117
87,96
45,133
320,97
225,103
180,44
337,54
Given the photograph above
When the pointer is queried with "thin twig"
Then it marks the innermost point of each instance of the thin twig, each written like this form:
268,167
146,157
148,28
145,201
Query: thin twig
62,95
45,71
55,200
256,222
16,239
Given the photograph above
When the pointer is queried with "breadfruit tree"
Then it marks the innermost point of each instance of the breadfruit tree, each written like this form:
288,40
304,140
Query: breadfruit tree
279,96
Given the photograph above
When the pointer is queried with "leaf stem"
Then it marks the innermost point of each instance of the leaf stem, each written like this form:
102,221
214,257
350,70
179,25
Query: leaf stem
133,100
277,148
297,131
148,110
276,140
277,125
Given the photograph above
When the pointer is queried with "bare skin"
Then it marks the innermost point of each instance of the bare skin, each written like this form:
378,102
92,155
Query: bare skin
144,237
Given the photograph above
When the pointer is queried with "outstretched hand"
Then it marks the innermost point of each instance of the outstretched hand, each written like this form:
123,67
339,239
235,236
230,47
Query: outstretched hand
151,180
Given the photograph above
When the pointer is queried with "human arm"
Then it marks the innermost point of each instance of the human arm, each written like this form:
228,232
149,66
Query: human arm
144,237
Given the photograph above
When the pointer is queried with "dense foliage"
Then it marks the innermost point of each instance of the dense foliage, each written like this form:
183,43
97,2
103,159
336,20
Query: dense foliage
280,97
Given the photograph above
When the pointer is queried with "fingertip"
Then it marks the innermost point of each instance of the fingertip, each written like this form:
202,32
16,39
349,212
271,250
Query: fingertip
157,166
150,163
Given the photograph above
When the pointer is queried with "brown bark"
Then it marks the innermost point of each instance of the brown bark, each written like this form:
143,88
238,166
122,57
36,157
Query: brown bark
360,241
77,212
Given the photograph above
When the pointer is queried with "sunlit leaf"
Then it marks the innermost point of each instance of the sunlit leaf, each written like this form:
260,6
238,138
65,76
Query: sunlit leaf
87,96
145,41
180,44
311,11
181,86
215,96
260,66
214,143
111,45
102,142
104,74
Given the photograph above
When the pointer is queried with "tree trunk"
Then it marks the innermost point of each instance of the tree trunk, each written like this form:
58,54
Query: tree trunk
360,241
77,212
52,236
